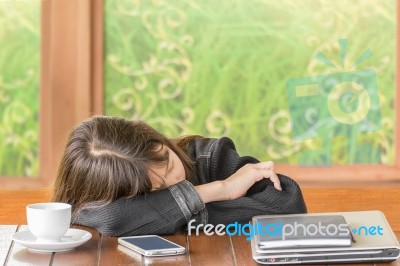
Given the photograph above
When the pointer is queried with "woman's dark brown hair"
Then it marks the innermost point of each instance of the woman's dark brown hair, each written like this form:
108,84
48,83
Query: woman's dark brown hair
109,157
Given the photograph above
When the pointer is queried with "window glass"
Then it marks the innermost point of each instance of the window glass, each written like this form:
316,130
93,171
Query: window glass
19,87
307,82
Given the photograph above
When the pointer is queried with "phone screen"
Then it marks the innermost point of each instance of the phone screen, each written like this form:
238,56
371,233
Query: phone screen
151,243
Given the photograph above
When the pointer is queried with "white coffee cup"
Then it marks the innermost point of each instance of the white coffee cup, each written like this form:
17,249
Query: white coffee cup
48,221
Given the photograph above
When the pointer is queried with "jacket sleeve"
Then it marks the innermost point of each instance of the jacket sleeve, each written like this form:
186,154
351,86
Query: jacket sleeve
261,198
164,211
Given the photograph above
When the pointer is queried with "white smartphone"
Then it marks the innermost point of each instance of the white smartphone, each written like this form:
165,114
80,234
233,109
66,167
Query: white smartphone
151,245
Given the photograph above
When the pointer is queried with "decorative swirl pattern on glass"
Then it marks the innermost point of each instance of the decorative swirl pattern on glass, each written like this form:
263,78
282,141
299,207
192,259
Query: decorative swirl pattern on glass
220,67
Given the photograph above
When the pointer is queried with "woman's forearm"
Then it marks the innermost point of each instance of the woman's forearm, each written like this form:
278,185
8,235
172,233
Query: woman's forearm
236,185
213,191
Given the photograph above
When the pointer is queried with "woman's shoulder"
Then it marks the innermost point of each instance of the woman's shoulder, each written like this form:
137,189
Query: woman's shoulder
209,144
201,146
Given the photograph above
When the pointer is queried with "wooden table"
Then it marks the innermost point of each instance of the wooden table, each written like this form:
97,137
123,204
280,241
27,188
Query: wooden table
103,250
203,250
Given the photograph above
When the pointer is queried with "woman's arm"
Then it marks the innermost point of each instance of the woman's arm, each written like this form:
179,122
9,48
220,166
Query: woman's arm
160,212
246,194
262,197
239,183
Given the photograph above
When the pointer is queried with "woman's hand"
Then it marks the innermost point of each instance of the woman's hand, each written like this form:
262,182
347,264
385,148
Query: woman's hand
237,184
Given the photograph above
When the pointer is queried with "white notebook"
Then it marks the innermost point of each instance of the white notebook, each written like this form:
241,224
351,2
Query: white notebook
303,231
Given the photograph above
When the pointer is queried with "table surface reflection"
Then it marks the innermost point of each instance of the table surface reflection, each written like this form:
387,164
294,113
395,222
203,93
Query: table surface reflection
104,250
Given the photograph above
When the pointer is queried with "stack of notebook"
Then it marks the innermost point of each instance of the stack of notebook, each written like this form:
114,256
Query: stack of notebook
326,237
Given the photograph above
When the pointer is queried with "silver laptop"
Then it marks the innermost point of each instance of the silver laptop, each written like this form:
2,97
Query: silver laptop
373,241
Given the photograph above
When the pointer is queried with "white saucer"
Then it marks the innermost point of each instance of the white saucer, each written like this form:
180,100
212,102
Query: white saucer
72,239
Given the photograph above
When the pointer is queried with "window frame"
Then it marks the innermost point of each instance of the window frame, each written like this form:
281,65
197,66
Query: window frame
71,80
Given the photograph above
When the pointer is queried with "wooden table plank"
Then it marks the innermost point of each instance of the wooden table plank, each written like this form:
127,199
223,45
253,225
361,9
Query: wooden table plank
6,232
113,254
394,263
210,250
13,204
20,255
242,251
85,254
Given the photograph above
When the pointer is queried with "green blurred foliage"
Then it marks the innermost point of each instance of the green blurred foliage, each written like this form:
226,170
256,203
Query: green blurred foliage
19,81
220,67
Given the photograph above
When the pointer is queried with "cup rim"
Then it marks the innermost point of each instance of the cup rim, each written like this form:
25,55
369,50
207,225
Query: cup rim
56,206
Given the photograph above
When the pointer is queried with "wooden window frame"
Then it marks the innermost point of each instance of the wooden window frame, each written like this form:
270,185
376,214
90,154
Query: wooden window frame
71,80
72,90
